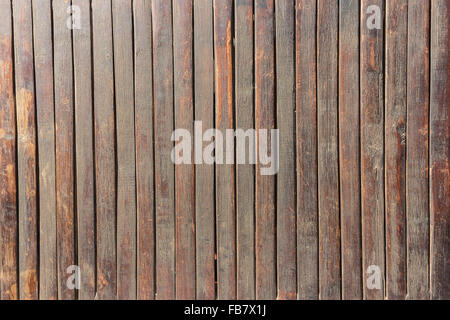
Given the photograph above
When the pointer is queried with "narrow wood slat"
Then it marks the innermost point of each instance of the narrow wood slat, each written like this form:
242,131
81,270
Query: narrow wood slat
84,152
26,149
245,173
349,149
8,201
306,153
395,147
225,175
266,283
286,202
327,137
440,150
42,24
417,202
143,99
164,167
126,165
105,165
204,173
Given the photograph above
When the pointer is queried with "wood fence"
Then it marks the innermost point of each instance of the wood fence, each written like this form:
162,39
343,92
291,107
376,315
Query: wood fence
91,91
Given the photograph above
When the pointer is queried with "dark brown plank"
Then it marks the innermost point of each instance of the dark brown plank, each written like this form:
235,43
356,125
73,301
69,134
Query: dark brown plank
143,100
266,282
26,149
8,201
164,167
395,147
105,165
417,204
84,150
225,184
204,173
306,145
126,166
349,149
245,172
43,62
286,202
440,150
327,123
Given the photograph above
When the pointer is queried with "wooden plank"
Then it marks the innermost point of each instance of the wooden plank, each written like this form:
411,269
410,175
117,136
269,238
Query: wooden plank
327,137
395,147
245,173
349,149
8,202
440,150
126,166
204,173
306,153
266,282
184,173
84,151
286,202
225,175
164,167
26,149
105,165
42,24
417,202
143,104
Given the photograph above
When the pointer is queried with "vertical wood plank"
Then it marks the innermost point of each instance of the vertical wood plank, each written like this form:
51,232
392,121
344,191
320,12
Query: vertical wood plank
286,202
417,202
327,123
143,99
306,145
42,24
105,165
245,173
84,151
266,283
164,167
126,166
8,201
440,150
204,173
349,149
26,149
225,200
395,147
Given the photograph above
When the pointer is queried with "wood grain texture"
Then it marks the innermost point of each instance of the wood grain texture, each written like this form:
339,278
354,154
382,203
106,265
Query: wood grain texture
184,173
440,150
349,163
306,153
327,149
395,147
204,173
143,104
84,152
125,141
43,62
286,192
104,141
265,211
8,201
164,167
26,149
245,173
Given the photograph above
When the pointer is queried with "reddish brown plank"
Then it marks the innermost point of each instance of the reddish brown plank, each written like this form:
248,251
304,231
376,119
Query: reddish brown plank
8,201
395,147
26,149
143,100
